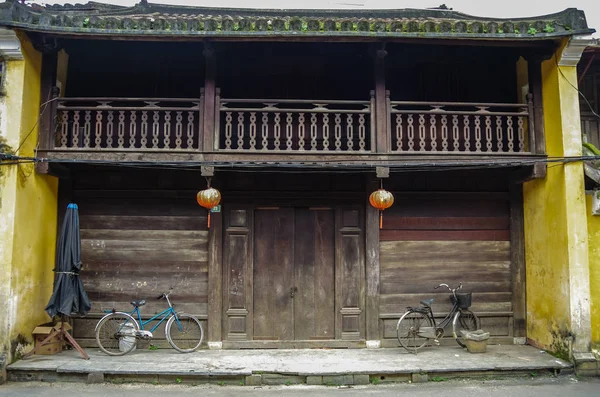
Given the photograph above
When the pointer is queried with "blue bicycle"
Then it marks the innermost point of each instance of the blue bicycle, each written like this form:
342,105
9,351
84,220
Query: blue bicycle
117,332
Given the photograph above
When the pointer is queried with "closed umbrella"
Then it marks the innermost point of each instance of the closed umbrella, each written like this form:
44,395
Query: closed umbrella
69,296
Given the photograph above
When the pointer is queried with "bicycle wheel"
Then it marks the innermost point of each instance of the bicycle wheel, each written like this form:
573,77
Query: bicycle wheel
116,333
184,335
464,320
408,328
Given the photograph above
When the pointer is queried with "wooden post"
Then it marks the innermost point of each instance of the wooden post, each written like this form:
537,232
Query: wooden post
382,140
534,71
48,92
372,264
517,260
210,77
215,279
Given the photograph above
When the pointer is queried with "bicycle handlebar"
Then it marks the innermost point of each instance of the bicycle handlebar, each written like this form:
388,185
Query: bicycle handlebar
450,289
161,296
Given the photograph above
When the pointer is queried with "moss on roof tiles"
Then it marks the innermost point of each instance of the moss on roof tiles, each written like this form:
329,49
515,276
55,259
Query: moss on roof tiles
157,19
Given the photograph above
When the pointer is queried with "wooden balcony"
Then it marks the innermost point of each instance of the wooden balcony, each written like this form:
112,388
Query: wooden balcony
272,130
132,124
281,125
442,127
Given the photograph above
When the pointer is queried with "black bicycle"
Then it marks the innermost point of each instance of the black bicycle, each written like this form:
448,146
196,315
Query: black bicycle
418,324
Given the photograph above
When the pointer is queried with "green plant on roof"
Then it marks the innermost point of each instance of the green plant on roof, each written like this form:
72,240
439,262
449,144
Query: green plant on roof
532,31
548,28
86,22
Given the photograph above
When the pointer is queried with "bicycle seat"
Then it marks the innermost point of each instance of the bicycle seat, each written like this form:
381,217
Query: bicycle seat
138,303
428,302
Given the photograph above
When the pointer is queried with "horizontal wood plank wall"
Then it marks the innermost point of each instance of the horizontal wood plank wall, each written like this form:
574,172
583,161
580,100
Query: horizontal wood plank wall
137,243
432,238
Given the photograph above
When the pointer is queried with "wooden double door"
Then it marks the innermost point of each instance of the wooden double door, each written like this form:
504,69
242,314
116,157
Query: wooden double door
293,273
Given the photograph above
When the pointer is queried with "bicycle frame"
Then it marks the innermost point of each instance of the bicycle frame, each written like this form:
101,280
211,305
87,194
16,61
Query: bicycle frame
447,319
137,315
165,313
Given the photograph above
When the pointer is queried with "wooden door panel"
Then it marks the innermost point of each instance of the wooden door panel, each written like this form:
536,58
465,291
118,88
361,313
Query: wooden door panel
350,268
314,264
237,265
273,273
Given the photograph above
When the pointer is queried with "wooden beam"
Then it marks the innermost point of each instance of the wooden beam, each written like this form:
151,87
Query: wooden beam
48,93
381,111
517,260
372,264
215,279
210,77
392,160
528,173
534,71
54,169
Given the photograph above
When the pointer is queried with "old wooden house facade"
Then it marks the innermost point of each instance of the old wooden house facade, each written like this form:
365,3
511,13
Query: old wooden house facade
296,116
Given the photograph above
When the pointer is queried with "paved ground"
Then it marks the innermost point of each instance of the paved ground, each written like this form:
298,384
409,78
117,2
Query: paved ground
285,367
518,387
297,362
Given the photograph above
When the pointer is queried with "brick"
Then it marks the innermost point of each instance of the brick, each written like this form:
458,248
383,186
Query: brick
338,380
314,380
254,380
420,378
95,377
361,379
275,379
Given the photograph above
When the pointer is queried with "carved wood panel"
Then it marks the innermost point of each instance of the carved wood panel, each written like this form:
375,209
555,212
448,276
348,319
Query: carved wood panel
237,268
350,274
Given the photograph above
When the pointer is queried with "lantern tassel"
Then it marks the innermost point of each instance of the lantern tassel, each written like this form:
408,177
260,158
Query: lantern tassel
380,219
208,219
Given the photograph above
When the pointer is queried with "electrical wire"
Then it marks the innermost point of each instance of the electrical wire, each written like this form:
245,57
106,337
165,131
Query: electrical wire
45,105
322,165
297,167
575,88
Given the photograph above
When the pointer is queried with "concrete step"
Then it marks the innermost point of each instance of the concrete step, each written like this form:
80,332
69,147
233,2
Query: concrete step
284,367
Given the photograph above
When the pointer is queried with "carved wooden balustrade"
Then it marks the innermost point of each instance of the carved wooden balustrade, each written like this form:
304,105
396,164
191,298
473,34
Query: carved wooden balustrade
267,125
460,127
291,126
129,123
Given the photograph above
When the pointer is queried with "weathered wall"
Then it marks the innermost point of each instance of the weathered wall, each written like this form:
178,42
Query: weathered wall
594,257
556,225
425,240
28,210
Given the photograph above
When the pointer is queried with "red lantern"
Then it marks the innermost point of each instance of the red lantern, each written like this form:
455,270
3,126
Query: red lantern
381,199
208,199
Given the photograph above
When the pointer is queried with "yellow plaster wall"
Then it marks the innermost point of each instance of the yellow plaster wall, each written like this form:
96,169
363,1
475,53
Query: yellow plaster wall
594,256
29,210
555,222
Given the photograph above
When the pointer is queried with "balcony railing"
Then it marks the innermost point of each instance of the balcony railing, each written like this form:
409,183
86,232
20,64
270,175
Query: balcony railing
129,123
291,126
460,127
268,125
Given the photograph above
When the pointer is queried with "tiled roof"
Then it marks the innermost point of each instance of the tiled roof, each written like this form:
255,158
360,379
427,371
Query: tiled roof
146,19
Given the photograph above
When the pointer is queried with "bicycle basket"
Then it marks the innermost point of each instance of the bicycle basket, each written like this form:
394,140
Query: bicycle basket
464,300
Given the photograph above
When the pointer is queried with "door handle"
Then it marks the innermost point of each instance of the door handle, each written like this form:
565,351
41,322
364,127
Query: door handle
293,291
